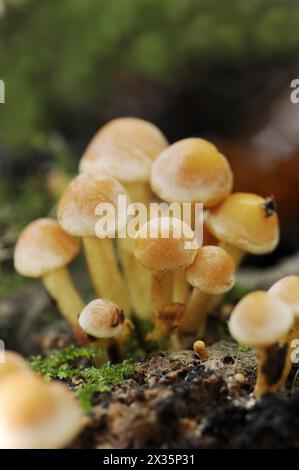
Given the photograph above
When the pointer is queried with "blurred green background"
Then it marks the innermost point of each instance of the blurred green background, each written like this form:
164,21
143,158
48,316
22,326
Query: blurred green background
194,67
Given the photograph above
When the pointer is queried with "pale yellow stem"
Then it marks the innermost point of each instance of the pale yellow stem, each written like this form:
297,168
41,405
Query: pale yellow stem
162,288
261,386
294,334
122,339
194,319
181,287
166,322
138,279
61,288
139,192
236,254
104,271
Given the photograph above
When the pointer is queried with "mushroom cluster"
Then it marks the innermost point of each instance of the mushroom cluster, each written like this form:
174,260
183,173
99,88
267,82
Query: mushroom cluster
159,275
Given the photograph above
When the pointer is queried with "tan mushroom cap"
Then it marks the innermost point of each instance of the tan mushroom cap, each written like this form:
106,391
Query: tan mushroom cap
35,414
192,170
287,289
101,318
244,220
124,148
44,247
260,319
13,363
213,271
160,244
77,207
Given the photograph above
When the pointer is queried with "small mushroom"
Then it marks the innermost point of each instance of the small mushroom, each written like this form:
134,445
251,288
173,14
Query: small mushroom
77,215
35,414
125,149
102,319
287,289
161,246
243,223
200,348
191,171
44,250
13,363
263,321
212,274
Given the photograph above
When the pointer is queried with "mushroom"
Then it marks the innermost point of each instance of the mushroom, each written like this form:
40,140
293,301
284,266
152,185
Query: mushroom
245,223
44,250
13,363
191,171
125,149
35,414
102,319
161,246
263,321
212,274
287,289
200,348
77,215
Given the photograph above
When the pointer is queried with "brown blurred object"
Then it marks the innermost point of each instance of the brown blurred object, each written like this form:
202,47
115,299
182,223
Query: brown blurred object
268,164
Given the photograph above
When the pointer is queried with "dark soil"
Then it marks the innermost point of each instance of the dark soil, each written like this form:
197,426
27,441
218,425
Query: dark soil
176,401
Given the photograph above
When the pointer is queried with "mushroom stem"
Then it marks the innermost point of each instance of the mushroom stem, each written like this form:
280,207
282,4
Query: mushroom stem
261,386
61,288
86,340
122,339
294,334
104,271
235,252
181,287
167,322
162,288
139,192
270,367
194,319
138,279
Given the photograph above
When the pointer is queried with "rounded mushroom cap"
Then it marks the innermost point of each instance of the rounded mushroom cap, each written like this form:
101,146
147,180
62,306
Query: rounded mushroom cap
44,247
192,170
213,271
77,208
287,289
13,363
260,319
101,318
246,221
124,148
160,244
35,414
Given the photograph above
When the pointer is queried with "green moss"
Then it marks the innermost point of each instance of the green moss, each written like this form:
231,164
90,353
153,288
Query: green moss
71,76
243,347
64,364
